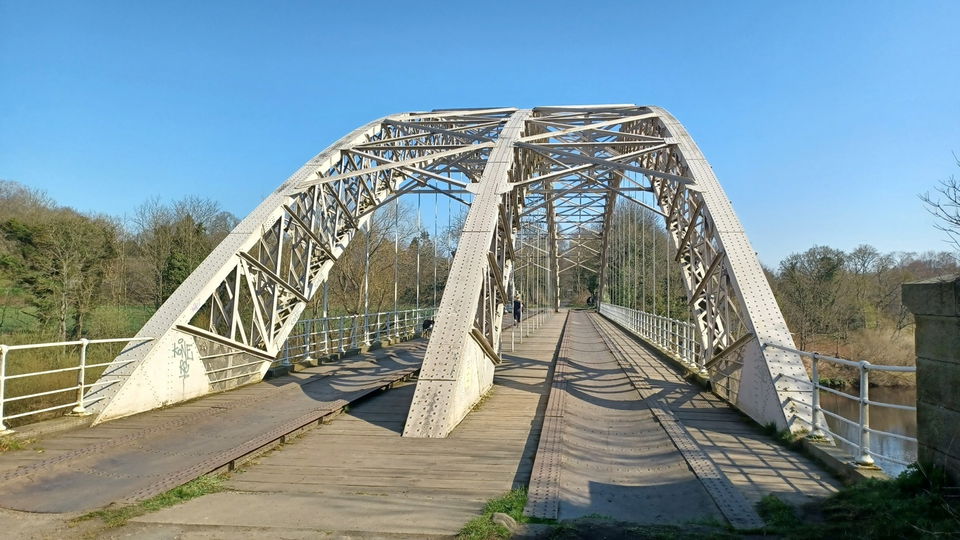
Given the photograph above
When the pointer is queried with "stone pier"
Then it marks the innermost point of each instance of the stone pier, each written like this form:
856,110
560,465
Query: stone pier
935,304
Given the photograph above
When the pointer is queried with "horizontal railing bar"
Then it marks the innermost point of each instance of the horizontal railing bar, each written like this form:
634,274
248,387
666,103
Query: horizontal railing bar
894,435
38,394
892,405
47,372
840,417
77,342
888,458
48,409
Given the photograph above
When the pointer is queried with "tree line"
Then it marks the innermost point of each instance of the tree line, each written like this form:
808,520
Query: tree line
66,275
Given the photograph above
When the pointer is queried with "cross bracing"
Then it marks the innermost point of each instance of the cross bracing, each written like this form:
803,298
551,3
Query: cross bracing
541,188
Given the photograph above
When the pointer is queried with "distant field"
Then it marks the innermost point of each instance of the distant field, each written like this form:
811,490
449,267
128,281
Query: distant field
18,324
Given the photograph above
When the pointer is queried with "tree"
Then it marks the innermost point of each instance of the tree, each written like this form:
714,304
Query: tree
810,287
61,263
174,239
945,206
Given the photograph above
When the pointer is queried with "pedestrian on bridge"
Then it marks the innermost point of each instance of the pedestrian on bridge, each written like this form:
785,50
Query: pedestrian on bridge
517,309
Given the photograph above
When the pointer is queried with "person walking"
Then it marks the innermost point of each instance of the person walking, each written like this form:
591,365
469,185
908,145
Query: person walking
517,309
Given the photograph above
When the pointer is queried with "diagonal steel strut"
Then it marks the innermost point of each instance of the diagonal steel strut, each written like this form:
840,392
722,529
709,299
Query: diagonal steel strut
458,369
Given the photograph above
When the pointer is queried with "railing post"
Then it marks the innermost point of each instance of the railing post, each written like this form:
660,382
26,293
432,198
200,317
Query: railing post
864,458
79,410
343,349
308,339
3,386
815,396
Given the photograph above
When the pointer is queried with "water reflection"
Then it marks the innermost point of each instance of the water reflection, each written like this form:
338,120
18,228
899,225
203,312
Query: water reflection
881,418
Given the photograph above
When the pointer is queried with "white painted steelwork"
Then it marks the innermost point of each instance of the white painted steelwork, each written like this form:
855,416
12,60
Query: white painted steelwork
239,306
79,405
326,336
819,428
542,185
672,336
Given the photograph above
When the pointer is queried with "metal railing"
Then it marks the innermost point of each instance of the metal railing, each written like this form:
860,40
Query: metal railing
532,319
865,454
79,404
678,338
314,338
675,337
310,338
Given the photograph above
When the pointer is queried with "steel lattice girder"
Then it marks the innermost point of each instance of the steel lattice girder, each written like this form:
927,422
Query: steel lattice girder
225,324
572,165
559,169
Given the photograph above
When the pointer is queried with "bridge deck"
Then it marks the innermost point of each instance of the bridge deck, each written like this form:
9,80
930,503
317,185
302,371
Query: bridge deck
750,459
616,456
604,452
357,475
140,456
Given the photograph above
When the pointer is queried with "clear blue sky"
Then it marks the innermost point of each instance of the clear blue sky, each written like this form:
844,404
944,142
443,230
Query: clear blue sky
823,120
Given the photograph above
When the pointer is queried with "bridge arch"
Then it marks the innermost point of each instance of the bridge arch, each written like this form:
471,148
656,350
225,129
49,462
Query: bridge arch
562,167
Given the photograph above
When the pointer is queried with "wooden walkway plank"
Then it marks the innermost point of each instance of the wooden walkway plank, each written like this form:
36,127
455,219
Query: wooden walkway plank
357,476
137,457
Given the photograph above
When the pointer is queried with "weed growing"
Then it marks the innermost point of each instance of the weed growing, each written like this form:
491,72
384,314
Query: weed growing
115,517
912,505
482,527
9,444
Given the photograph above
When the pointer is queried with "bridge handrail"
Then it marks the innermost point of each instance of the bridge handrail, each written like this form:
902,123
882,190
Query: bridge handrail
341,333
865,454
324,336
673,336
79,405
676,338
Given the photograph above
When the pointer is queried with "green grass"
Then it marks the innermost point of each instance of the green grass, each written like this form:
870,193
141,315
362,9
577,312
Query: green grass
913,505
115,517
787,438
483,528
8,444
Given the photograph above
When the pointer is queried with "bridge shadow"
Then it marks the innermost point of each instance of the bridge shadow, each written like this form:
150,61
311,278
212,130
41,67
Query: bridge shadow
746,454
333,381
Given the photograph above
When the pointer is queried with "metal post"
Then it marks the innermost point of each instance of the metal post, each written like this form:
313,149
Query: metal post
308,339
815,397
343,349
3,384
864,458
326,317
79,410
366,288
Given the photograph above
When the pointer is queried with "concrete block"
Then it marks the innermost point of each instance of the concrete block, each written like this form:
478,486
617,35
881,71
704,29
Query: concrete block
937,296
950,464
938,431
938,338
278,371
938,383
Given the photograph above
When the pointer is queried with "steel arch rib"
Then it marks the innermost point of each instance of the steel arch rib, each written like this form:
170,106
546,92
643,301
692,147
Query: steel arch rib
234,312
229,319
767,388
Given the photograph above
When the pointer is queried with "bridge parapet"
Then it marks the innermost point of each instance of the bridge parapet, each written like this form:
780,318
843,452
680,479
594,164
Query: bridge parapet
935,304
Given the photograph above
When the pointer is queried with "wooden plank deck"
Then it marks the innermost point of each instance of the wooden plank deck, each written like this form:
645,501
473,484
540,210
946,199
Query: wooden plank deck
755,464
140,456
358,476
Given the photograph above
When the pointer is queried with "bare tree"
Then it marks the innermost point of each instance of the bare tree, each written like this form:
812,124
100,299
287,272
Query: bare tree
945,206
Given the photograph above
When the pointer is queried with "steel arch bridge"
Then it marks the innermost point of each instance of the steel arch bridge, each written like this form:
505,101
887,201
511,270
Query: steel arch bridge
556,174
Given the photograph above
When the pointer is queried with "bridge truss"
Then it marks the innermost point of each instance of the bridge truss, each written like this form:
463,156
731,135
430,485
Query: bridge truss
542,187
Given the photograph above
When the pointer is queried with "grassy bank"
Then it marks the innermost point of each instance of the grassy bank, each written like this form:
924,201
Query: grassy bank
913,505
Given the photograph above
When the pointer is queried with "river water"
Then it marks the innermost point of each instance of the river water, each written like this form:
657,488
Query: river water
881,418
